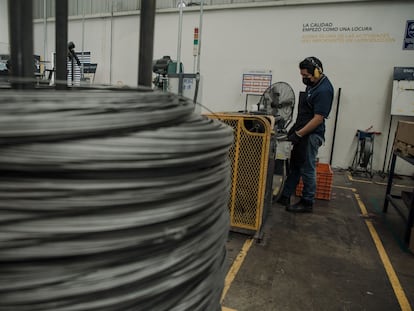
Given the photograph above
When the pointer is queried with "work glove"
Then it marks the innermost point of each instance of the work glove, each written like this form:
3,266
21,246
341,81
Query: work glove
291,130
294,138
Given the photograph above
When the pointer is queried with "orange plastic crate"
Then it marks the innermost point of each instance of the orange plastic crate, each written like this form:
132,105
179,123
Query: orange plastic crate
324,177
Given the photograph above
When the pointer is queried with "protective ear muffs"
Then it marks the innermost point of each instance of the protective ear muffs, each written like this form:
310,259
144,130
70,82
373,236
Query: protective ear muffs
317,71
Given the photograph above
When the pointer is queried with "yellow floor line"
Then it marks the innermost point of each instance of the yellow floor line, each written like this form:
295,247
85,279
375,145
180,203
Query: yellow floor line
227,309
358,180
231,275
375,182
392,276
346,188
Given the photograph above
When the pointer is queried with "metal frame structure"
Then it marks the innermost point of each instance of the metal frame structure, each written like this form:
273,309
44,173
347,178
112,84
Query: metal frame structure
21,42
252,160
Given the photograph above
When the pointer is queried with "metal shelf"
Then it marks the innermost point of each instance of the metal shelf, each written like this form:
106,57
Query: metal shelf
404,204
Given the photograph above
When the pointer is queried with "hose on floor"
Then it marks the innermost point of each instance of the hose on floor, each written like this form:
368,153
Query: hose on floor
111,201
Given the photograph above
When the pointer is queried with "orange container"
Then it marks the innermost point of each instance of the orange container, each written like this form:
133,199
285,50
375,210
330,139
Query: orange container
324,177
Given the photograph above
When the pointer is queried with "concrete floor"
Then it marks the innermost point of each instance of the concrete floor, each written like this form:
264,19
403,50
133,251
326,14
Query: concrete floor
326,260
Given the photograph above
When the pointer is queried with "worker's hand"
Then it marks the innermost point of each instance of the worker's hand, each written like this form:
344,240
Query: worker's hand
291,130
294,137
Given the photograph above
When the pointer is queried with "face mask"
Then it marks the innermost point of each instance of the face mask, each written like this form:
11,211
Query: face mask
307,81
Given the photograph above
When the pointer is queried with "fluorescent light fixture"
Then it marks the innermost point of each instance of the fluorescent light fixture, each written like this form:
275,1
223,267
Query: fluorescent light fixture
181,4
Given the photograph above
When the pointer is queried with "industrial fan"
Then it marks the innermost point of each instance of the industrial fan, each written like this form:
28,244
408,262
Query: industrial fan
278,100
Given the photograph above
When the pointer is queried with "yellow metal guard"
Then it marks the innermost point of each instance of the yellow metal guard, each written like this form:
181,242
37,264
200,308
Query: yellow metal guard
249,157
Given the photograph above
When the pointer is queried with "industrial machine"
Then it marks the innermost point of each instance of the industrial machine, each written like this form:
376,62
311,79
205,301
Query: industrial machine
162,67
259,157
168,79
362,162
278,100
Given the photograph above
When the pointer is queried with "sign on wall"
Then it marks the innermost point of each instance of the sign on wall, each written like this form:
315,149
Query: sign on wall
331,32
409,36
402,103
256,82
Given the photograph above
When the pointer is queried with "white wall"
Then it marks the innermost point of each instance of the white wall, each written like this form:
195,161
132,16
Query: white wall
272,38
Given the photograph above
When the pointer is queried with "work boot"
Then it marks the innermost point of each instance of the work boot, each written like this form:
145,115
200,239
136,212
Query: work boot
283,200
303,206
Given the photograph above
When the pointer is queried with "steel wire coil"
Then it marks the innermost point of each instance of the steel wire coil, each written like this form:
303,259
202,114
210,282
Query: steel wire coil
111,201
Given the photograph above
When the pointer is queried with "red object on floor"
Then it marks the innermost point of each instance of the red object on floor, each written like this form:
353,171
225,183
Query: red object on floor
324,177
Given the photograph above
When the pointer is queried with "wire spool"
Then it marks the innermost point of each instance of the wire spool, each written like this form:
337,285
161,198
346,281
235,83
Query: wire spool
111,201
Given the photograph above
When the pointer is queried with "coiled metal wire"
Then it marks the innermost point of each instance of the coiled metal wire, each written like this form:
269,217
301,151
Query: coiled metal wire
111,201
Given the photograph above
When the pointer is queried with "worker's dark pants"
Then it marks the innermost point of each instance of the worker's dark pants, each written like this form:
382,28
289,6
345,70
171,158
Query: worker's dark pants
307,171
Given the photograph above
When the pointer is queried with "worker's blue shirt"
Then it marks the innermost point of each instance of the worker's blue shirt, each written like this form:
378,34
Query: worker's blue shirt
319,98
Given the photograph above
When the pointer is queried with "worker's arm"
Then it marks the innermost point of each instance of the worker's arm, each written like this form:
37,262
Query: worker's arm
311,125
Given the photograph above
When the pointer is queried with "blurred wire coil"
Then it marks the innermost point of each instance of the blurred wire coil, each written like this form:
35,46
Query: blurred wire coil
111,201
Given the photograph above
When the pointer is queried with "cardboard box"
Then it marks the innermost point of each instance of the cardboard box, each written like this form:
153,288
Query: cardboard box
404,133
